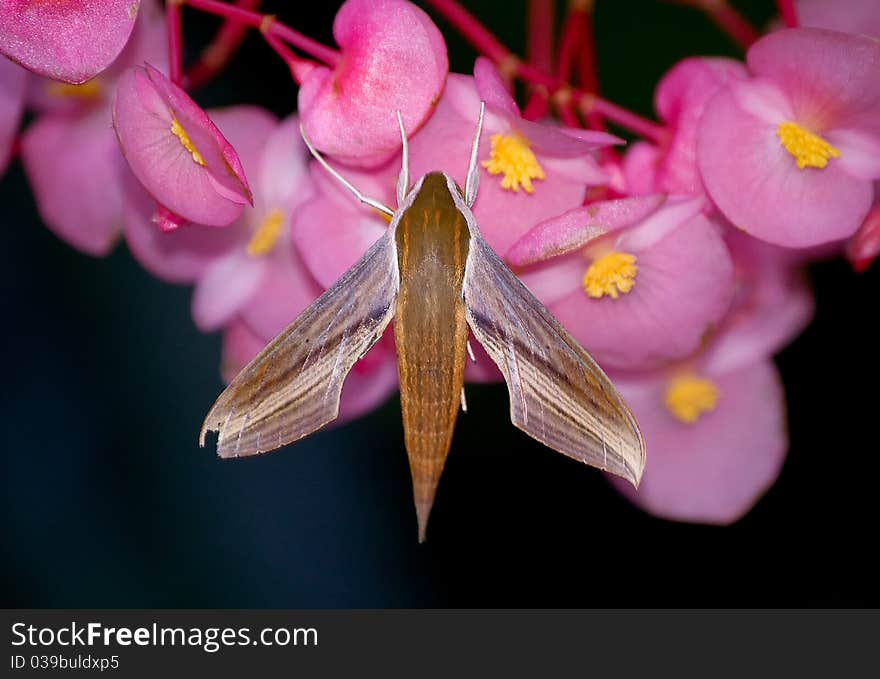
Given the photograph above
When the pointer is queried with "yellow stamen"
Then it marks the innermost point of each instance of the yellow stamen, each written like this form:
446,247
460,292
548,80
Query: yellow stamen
689,396
610,275
512,157
265,238
178,131
87,91
808,149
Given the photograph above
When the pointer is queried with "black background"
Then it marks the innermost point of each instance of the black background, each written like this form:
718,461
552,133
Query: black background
107,500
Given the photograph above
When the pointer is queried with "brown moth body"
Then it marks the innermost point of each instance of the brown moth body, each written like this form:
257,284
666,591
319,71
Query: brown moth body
430,331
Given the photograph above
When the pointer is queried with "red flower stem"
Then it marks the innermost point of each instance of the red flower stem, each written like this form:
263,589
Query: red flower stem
219,51
472,30
537,105
256,20
175,41
788,12
298,67
568,116
541,27
728,19
509,64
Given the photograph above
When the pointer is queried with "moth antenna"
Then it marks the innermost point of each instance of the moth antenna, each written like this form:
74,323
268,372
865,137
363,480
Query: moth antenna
463,401
473,175
372,202
470,351
403,177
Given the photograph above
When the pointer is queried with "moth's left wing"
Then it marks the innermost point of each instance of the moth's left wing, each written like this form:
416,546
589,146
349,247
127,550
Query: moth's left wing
558,394
293,386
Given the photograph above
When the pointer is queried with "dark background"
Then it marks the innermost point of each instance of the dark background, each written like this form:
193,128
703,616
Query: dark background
107,500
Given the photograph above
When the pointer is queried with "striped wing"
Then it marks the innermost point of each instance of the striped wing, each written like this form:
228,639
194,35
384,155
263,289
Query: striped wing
558,394
292,387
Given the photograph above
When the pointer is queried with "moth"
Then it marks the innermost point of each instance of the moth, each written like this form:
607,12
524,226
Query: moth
432,273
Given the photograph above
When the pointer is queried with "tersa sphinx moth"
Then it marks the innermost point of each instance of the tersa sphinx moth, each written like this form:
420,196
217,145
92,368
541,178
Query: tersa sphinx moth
432,273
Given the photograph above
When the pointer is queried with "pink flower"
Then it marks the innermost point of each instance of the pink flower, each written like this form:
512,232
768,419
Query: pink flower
71,41
371,381
176,152
680,99
714,425
638,285
13,85
529,171
393,58
70,152
716,441
248,270
790,155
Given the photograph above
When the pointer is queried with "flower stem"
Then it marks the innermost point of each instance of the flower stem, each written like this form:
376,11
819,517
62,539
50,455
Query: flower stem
175,41
256,20
220,50
788,12
728,19
298,67
486,43
472,30
541,28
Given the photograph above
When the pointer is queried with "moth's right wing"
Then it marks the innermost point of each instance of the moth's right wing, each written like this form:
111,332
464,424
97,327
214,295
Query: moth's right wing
558,394
293,386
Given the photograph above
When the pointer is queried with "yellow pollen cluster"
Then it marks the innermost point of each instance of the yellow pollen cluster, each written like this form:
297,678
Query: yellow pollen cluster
689,396
87,91
178,131
808,149
512,157
265,238
610,275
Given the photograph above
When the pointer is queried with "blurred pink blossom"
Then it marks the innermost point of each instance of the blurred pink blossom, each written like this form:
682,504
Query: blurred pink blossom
71,41
393,58
70,152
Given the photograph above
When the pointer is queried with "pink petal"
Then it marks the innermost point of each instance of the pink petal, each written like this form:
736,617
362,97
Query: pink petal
849,16
146,105
680,99
859,152
284,178
683,287
640,168
715,470
773,305
13,85
756,183
72,40
808,64
76,172
493,90
286,290
332,230
225,287
560,142
393,58
574,228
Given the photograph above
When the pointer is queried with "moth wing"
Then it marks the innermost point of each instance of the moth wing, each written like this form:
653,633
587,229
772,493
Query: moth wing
558,394
292,388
